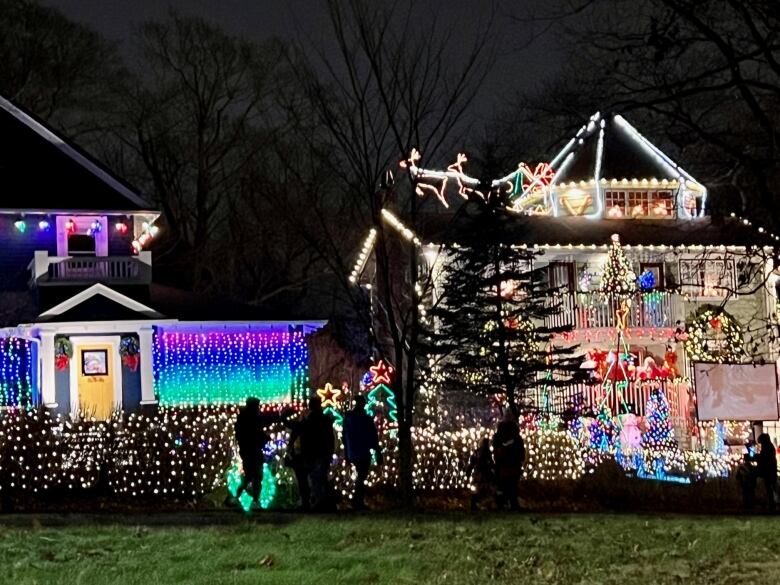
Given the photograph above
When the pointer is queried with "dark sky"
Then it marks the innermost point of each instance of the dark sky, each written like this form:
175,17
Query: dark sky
516,68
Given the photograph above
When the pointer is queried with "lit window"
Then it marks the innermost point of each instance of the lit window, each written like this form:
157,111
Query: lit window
707,277
638,203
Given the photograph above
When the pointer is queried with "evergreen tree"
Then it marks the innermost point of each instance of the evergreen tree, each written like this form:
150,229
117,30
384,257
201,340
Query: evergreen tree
489,324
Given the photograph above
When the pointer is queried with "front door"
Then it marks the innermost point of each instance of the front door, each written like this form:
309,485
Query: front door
95,379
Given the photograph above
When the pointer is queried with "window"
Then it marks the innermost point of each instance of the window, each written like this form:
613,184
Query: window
561,275
638,203
707,277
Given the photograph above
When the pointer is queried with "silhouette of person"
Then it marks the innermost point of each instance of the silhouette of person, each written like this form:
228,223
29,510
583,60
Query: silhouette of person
767,469
294,456
317,448
360,437
509,453
251,439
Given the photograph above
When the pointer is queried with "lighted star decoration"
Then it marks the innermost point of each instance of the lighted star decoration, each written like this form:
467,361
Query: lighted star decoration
329,395
381,373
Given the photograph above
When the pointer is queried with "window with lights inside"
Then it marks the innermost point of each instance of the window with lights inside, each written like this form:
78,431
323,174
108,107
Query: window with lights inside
711,277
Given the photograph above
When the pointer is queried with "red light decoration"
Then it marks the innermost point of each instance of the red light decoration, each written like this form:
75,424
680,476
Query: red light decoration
70,227
121,227
541,176
382,373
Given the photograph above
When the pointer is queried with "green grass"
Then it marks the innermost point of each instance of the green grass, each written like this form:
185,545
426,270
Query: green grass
387,548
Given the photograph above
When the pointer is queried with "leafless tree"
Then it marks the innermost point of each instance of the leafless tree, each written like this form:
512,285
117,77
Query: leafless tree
393,80
62,71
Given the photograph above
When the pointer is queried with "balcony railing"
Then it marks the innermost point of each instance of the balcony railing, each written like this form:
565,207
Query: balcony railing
63,270
593,311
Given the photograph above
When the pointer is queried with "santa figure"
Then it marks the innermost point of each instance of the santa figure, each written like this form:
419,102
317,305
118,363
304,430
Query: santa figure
670,362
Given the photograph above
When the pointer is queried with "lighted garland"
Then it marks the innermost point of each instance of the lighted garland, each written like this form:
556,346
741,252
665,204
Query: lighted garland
713,323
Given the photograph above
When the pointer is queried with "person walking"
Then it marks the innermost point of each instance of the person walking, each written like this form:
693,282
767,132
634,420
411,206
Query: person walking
509,452
251,439
293,457
481,471
767,469
360,438
317,449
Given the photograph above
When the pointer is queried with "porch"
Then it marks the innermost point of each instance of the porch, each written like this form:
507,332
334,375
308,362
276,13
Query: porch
655,309
48,270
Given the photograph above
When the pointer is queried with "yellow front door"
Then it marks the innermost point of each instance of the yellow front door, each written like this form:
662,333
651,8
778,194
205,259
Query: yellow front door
95,380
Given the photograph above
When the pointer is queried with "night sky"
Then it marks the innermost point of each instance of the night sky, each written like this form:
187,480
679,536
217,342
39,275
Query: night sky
518,68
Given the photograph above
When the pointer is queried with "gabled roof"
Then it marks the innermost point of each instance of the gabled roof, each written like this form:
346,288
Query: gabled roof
98,303
610,148
42,171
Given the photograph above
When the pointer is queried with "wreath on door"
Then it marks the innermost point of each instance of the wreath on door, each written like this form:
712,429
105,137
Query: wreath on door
129,350
63,352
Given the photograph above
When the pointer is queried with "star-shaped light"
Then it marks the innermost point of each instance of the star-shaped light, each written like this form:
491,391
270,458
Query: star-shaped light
329,395
381,373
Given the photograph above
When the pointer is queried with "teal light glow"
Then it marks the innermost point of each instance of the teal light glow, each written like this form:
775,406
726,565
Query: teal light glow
18,361
226,367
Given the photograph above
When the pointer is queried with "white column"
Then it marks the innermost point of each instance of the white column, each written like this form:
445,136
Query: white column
48,394
146,338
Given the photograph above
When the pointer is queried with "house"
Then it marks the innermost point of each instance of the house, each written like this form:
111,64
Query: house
705,287
85,330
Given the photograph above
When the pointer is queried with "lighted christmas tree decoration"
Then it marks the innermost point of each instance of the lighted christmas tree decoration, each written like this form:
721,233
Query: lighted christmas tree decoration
618,279
662,455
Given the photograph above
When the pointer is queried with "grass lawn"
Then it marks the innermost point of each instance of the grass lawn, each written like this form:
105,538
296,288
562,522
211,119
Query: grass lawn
386,548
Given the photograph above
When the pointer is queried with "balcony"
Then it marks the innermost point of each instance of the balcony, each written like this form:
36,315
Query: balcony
84,270
653,310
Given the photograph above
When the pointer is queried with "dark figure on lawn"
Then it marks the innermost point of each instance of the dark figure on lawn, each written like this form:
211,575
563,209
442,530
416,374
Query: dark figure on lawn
767,469
746,476
294,456
317,448
481,471
251,439
509,453
360,437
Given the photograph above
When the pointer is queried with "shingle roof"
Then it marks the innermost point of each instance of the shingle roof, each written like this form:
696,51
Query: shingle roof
625,154
42,171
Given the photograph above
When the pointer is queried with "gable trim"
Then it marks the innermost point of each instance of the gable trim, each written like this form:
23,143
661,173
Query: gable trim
103,290
78,157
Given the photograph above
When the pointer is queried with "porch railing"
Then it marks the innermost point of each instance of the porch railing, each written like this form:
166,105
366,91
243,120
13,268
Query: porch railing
593,311
90,269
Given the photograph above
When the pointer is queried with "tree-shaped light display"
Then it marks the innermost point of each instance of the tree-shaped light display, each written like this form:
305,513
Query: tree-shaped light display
619,279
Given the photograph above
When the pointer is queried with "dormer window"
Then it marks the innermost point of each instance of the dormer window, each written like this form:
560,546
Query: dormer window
639,203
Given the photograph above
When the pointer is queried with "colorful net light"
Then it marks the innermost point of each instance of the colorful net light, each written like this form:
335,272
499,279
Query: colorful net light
227,367
17,366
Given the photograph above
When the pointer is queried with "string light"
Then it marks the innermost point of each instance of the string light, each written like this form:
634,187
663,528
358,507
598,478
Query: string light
365,252
396,223
226,367
18,361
